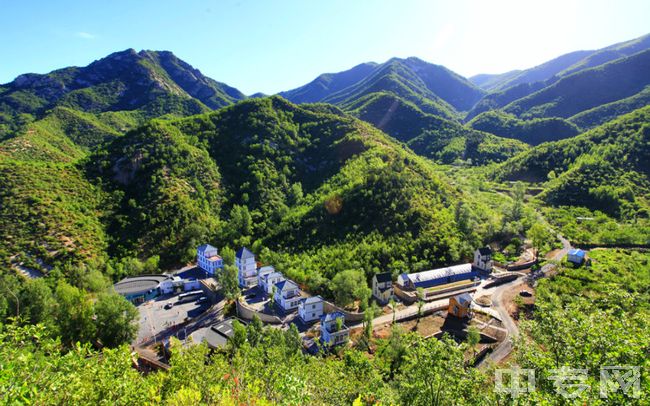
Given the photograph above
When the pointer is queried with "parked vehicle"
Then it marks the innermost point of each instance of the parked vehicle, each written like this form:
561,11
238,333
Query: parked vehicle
169,305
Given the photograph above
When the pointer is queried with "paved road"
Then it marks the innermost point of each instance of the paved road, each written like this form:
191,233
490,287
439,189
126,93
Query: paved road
504,349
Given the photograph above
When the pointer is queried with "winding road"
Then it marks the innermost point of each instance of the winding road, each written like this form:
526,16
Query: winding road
505,348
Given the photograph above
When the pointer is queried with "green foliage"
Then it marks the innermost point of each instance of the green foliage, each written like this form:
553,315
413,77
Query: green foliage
114,317
431,135
349,286
540,237
609,111
586,89
603,169
584,226
229,282
534,131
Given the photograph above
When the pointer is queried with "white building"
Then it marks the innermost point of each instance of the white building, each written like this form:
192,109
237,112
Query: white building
269,281
310,309
332,331
287,295
246,268
208,259
262,272
483,259
382,287
175,284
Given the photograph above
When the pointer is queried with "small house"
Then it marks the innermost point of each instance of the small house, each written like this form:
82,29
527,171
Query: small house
246,268
576,256
436,277
287,296
310,309
269,280
382,287
333,330
483,259
263,271
459,305
208,259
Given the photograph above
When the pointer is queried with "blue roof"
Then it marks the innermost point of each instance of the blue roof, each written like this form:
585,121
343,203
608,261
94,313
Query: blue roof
331,316
206,247
577,252
244,253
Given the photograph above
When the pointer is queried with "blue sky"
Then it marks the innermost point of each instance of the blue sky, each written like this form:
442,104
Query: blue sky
277,45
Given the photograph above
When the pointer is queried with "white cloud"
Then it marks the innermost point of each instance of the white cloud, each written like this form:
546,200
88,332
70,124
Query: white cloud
84,35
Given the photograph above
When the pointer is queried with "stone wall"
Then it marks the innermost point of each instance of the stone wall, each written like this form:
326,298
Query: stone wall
246,312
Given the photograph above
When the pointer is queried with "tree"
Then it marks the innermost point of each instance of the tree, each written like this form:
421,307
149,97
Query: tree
229,282
37,302
239,335
540,237
228,255
367,327
292,338
349,286
74,315
519,191
473,338
392,305
434,374
255,331
115,318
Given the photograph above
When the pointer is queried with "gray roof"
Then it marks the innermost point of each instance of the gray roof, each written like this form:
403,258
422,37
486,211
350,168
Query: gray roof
485,251
218,335
464,298
313,299
244,253
286,285
384,277
266,277
139,284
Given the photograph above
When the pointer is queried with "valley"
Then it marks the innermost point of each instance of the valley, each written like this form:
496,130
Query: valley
132,165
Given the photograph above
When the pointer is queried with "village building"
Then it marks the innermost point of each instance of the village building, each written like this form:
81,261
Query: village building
218,335
176,284
436,277
483,259
139,289
576,256
208,259
333,330
246,268
459,305
382,287
287,296
269,280
310,309
262,272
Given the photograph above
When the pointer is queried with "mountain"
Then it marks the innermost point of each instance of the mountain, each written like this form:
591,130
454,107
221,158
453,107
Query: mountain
587,89
603,169
262,170
563,65
328,83
433,88
534,132
147,82
429,135
487,81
